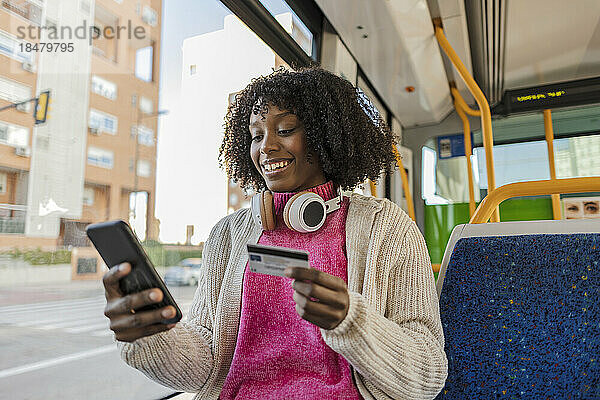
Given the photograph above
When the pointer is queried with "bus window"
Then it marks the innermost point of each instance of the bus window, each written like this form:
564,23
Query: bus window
445,180
288,19
445,190
446,194
577,156
516,162
133,120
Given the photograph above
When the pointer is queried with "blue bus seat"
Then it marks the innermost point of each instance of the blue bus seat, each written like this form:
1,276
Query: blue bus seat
520,309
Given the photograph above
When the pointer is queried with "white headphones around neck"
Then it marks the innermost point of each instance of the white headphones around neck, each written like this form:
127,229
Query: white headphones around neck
304,212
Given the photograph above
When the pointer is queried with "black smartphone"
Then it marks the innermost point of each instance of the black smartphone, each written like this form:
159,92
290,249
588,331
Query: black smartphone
116,243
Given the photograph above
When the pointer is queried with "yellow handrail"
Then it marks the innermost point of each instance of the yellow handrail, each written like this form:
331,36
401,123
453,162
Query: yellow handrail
463,104
409,201
532,188
484,107
373,188
459,105
550,143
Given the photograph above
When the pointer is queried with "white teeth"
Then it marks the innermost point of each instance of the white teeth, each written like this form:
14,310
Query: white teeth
277,165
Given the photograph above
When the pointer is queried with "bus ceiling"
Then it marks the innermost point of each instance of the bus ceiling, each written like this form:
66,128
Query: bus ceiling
516,46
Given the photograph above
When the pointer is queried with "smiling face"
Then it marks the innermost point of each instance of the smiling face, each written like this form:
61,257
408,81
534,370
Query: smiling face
279,151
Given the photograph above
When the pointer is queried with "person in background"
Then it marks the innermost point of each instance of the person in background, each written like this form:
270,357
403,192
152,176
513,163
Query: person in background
362,322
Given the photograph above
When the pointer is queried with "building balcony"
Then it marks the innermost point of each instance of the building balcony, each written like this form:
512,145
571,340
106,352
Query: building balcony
12,218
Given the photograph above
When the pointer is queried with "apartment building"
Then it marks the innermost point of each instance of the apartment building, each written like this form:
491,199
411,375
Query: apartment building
99,144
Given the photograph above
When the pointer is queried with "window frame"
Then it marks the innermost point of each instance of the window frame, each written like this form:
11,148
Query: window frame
103,82
100,164
105,116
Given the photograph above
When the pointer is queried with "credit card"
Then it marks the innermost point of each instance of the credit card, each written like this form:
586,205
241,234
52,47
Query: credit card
272,260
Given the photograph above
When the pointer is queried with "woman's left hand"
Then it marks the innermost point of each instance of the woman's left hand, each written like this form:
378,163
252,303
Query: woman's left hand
321,298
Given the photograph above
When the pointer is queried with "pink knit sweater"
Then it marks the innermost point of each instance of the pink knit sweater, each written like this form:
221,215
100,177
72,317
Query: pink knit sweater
279,355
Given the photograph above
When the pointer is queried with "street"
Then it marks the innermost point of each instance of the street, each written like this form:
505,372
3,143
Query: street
55,344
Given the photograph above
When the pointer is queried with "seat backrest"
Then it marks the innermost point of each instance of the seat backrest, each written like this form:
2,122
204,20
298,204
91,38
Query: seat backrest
520,310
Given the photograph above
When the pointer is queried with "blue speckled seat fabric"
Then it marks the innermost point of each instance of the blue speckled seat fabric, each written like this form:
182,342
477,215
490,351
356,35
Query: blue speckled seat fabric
521,317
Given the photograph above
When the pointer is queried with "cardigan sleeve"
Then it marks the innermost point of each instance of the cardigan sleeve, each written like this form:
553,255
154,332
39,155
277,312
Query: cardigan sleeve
182,358
399,355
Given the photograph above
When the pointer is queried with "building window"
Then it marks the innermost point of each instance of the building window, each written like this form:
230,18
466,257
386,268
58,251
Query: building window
3,182
24,8
100,157
102,122
149,16
14,92
51,24
289,21
88,196
146,105
84,7
144,58
104,88
10,46
144,168
13,135
3,133
145,136
104,45
231,98
577,156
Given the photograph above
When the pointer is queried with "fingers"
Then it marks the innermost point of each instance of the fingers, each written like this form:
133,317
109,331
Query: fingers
319,293
314,275
320,298
129,327
322,315
141,320
313,307
111,280
134,301
127,324
134,334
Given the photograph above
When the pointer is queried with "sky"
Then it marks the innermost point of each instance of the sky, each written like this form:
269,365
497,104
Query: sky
180,20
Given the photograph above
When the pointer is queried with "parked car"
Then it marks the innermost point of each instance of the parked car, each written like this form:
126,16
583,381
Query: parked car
186,272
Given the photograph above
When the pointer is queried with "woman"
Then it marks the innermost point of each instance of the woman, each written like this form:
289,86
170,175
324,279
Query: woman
362,322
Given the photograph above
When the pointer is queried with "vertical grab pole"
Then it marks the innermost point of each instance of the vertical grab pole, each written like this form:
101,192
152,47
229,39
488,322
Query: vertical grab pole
409,201
467,133
373,188
484,107
556,211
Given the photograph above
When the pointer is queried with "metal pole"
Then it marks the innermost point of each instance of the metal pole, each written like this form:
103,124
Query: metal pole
467,136
405,186
463,104
484,107
14,105
373,188
135,162
532,188
556,212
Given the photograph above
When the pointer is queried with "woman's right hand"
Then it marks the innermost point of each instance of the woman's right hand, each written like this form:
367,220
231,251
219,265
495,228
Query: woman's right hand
127,324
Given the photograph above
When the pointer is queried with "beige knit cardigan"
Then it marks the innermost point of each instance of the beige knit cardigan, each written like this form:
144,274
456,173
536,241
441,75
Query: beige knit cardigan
392,336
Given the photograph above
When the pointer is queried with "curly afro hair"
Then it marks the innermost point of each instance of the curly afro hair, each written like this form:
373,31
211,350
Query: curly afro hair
342,127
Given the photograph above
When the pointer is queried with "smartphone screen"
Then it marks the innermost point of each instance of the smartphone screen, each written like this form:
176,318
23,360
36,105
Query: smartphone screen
116,243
